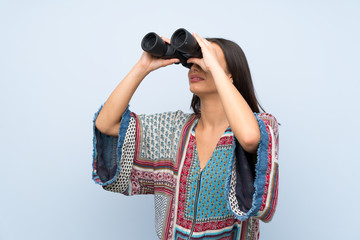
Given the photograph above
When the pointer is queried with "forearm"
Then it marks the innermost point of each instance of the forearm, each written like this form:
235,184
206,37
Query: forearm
110,115
239,114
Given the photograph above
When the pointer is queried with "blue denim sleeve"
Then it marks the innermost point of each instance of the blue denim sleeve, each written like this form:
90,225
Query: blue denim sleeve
107,151
252,183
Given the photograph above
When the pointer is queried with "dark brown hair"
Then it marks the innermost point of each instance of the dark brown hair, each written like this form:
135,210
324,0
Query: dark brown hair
239,69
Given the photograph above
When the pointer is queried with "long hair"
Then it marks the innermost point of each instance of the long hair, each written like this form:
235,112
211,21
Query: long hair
239,69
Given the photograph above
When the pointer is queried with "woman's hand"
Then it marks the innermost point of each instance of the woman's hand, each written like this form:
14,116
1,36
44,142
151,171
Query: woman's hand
210,58
150,63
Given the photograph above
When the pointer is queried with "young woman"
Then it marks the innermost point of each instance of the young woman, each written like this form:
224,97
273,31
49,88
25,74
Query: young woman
214,173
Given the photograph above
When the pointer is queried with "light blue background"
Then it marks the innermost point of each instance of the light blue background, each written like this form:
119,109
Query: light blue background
60,60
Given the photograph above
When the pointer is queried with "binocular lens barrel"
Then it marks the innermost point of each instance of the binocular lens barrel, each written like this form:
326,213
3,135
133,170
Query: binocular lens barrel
178,38
149,41
185,42
153,44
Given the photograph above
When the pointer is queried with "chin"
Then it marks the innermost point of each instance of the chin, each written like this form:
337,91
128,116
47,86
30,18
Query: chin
202,94
195,90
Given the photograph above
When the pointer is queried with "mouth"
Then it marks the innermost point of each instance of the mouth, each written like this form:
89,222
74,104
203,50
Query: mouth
195,78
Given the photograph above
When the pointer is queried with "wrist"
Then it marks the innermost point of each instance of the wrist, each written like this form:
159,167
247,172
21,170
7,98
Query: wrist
141,70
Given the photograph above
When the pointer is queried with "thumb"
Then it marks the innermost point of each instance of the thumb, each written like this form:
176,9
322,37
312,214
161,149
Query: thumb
194,60
170,61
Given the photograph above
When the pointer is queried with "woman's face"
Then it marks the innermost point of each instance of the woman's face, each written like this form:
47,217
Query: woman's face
201,82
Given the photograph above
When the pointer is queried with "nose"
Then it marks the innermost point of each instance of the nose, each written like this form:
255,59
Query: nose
194,67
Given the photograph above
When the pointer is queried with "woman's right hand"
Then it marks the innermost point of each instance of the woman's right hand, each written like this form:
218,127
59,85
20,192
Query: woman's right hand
150,63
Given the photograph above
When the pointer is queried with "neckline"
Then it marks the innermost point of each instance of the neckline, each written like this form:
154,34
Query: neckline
196,123
196,146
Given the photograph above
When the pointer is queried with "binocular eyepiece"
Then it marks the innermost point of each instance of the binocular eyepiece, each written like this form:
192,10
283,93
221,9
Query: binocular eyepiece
182,46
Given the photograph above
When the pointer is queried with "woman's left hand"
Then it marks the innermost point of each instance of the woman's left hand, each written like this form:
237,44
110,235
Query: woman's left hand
210,58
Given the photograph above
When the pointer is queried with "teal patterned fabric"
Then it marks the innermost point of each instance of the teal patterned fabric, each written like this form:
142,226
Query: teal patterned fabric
212,200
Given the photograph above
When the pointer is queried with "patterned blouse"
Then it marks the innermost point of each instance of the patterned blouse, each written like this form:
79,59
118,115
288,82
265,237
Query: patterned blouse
157,154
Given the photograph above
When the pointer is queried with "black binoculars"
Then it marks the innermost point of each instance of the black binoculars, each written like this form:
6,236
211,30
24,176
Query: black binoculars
182,46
